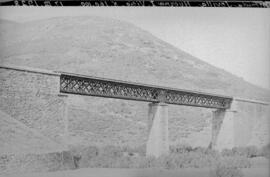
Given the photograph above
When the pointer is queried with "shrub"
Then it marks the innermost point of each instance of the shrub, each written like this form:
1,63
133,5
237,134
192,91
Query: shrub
252,151
166,161
34,163
86,155
68,160
265,151
140,150
110,151
249,151
122,162
101,162
224,171
236,162
206,151
226,152
184,160
181,148
53,161
4,160
229,166
143,162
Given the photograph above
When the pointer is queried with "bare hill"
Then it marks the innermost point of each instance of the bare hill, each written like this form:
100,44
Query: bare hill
114,49
118,50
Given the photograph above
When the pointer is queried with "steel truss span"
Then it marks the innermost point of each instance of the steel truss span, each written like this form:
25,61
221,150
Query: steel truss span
92,86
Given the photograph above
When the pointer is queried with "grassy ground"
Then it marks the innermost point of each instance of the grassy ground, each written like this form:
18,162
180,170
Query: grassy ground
117,172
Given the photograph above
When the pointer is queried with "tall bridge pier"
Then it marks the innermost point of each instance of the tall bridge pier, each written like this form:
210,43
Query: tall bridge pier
223,125
228,124
158,139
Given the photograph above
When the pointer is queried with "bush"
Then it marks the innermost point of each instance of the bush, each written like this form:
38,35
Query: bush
265,151
229,166
68,160
142,162
110,151
82,155
166,161
187,160
140,150
224,171
34,163
250,151
227,152
181,148
4,160
235,162
122,162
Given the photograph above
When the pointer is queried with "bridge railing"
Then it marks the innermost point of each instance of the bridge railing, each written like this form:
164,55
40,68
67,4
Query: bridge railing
251,101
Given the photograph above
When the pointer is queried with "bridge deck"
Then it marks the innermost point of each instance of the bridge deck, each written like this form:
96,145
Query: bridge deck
101,87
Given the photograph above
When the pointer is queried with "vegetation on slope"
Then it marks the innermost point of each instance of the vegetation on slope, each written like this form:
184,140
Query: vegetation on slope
126,157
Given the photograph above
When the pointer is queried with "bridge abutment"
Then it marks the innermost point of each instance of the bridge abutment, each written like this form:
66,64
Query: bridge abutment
158,143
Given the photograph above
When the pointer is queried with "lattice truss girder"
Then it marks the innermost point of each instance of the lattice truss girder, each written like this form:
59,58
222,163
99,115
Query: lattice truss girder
123,90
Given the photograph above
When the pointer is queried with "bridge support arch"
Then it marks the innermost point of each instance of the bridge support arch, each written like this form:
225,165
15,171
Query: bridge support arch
158,143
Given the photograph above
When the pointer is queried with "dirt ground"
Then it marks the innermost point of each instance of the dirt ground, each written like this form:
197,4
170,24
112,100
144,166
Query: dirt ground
116,172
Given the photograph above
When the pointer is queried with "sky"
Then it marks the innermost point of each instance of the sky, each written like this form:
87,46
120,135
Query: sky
234,39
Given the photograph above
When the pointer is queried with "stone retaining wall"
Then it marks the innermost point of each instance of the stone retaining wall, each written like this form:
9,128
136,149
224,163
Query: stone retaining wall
31,97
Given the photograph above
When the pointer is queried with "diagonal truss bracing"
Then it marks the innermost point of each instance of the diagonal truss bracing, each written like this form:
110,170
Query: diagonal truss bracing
92,86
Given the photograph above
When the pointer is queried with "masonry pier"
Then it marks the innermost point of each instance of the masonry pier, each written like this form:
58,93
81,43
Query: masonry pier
157,143
223,128
65,108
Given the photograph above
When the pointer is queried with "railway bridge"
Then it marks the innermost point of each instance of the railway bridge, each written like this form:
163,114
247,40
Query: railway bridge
224,107
227,116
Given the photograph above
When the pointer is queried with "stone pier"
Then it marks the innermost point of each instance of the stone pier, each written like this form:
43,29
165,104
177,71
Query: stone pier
157,143
65,107
224,128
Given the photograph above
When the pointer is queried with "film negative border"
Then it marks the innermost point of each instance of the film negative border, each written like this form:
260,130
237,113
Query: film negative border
162,3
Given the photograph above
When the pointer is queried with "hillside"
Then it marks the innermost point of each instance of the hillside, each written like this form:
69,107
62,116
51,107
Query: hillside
18,138
113,49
